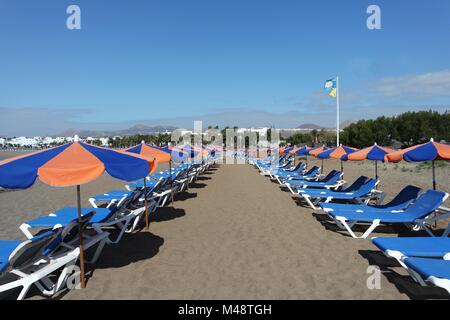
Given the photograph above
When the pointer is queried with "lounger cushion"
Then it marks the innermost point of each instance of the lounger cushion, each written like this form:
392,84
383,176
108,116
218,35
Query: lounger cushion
415,247
429,267
65,215
371,216
110,197
119,192
360,208
6,248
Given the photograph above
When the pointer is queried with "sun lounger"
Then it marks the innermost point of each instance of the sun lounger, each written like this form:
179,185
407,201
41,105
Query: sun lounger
310,174
332,181
114,197
403,199
433,271
285,174
19,259
425,247
416,215
103,218
44,260
361,191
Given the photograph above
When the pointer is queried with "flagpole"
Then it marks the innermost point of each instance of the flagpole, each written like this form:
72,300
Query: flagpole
337,109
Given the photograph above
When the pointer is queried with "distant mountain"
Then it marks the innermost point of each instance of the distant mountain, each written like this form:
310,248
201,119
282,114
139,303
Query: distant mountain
310,126
346,123
136,129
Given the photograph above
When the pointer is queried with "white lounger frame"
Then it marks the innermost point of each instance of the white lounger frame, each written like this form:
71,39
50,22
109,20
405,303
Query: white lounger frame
419,224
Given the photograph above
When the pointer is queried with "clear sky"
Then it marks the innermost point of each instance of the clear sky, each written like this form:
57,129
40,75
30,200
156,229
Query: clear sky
229,62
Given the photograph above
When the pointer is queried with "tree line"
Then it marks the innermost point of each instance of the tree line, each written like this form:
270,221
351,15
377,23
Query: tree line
404,130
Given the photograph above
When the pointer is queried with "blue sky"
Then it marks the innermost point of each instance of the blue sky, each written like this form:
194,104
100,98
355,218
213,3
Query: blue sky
240,62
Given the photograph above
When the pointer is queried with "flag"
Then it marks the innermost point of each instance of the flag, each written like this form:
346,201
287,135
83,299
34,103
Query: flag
331,88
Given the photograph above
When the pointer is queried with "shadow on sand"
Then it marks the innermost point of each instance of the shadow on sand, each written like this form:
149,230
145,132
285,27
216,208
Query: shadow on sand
404,283
203,178
183,196
167,214
196,185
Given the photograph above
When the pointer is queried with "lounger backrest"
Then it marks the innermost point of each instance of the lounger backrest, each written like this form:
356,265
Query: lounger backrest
357,184
408,194
427,203
335,178
32,250
312,172
286,165
328,176
366,188
71,231
298,167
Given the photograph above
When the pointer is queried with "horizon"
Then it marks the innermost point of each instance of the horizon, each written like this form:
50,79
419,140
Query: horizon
252,64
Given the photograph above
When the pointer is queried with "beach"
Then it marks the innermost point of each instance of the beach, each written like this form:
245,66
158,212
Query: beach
235,235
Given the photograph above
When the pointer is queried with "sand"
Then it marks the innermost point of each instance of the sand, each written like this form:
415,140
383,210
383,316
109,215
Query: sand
233,235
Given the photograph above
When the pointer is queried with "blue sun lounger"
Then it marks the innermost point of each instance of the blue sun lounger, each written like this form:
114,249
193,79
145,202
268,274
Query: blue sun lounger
150,183
416,215
18,259
403,199
425,247
433,271
103,217
44,260
331,180
361,191
286,173
269,170
311,174
114,197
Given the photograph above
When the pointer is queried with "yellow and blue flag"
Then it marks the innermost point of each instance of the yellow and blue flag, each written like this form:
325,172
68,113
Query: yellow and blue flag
331,88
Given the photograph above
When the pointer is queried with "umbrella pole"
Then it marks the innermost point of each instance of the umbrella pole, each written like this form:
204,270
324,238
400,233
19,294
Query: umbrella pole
80,236
171,181
342,167
434,186
322,167
306,162
434,175
376,169
145,203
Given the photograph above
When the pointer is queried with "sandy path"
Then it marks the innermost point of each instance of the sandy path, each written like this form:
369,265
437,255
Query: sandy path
235,235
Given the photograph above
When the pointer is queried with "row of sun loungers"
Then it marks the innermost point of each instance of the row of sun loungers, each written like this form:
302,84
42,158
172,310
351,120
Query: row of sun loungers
427,259
46,259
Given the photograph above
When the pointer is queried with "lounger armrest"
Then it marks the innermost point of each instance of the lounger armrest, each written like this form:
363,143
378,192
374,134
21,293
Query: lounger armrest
443,210
378,194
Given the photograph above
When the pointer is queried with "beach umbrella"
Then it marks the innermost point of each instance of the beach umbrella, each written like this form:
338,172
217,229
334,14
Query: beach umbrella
337,153
160,156
430,151
73,164
189,150
200,150
304,152
287,150
316,151
293,151
374,153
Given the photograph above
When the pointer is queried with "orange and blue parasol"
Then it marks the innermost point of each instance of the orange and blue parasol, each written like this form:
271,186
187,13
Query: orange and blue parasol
374,153
430,151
